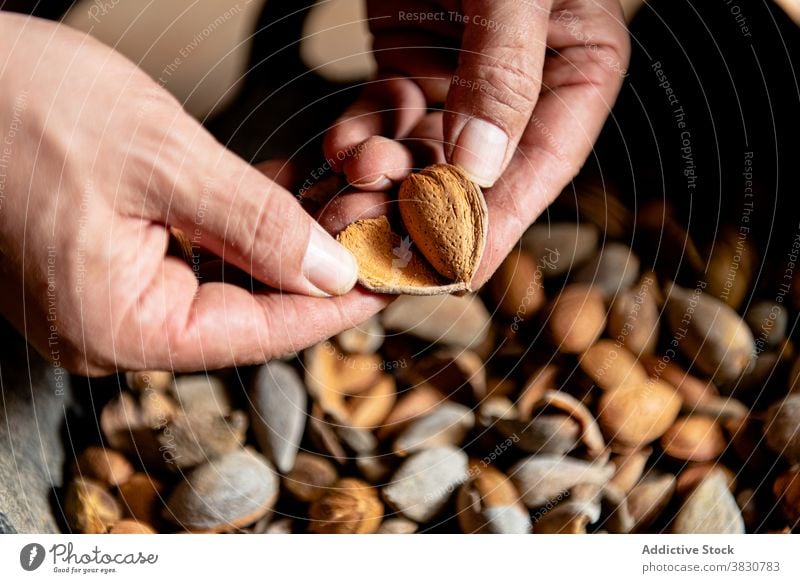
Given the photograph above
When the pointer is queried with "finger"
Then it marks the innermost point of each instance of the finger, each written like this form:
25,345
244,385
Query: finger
580,86
427,58
351,207
386,107
182,326
280,171
382,163
426,142
496,85
228,207
379,163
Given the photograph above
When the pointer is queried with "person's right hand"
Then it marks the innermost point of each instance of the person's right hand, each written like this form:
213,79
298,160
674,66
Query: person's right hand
96,160
514,93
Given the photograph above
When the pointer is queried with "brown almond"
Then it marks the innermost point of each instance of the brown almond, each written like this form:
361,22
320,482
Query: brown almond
446,216
157,409
418,401
516,287
369,408
488,503
633,318
349,507
787,493
636,415
693,390
709,333
730,267
782,428
695,438
105,465
331,376
611,366
140,497
310,477
768,321
577,318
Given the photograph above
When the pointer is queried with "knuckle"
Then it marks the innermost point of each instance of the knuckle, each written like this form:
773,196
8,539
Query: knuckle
509,86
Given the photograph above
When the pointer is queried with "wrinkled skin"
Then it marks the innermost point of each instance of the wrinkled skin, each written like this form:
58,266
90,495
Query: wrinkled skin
102,160
97,160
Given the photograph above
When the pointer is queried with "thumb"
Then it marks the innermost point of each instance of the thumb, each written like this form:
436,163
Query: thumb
496,85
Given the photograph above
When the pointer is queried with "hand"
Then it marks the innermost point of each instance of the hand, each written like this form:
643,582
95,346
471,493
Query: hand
526,87
95,161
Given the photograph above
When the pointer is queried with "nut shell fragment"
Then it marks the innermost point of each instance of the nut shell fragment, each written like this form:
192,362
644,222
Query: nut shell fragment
388,265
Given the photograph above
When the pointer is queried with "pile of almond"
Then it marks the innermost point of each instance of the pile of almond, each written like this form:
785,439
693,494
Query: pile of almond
580,391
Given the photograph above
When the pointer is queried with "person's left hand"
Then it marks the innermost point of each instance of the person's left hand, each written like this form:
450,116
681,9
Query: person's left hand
526,88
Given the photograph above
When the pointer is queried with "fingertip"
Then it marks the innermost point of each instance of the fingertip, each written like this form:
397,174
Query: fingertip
369,182
378,163
351,207
279,170
480,151
329,267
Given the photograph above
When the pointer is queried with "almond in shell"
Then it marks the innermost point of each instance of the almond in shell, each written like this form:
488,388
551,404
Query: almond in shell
445,217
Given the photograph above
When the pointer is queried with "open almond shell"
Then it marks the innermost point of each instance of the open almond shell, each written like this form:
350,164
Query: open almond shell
445,217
